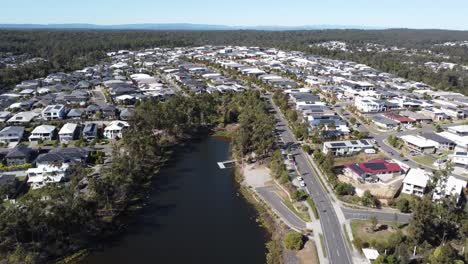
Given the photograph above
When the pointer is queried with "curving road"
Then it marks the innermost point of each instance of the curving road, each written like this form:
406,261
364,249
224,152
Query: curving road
335,242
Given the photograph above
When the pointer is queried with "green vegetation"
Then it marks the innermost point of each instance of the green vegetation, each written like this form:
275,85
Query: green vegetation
15,167
344,189
322,243
40,230
293,241
314,208
302,215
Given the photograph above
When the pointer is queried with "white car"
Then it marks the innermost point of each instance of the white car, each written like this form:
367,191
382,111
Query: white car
302,184
300,179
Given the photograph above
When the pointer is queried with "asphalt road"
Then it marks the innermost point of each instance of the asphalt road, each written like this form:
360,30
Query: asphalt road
366,214
333,236
276,202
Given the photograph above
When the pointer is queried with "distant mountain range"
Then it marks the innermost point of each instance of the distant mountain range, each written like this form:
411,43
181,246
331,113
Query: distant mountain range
176,26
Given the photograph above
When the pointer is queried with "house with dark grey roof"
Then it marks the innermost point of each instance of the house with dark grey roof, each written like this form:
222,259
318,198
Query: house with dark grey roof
383,122
63,155
11,134
75,113
19,155
126,113
444,143
90,131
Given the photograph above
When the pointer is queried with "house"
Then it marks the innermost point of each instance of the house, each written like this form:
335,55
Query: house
369,105
370,254
22,117
92,110
90,131
11,134
444,143
68,132
53,112
453,187
372,171
420,144
115,129
109,112
43,132
399,118
461,130
19,155
75,114
434,113
345,148
126,113
459,158
4,116
415,182
383,122
461,141
52,167
45,174
63,155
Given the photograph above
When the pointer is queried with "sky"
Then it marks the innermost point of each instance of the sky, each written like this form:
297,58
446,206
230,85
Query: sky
443,14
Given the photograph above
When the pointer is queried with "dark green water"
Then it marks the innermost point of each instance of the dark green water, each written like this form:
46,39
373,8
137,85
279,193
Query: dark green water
194,215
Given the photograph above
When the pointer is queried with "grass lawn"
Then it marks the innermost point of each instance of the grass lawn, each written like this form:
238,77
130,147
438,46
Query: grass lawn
361,157
361,230
424,160
322,243
302,215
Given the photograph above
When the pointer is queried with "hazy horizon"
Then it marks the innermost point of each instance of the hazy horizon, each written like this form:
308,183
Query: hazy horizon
415,14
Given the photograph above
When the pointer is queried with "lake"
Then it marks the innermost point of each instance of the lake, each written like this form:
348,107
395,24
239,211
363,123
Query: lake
194,214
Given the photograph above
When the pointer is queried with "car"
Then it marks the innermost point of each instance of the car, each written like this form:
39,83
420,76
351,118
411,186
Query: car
302,184
405,159
300,178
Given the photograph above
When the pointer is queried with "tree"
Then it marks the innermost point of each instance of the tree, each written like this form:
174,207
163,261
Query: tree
374,222
293,241
369,200
299,195
422,226
438,128
344,189
444,254
403,205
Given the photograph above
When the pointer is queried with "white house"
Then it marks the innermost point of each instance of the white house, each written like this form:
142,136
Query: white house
452,187
46,173
22,117
114,129
369,105
457,158
415,182
43,132
420,144
343,148
53,112
68,132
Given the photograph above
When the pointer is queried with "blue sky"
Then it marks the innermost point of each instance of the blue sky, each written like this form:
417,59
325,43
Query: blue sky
446,14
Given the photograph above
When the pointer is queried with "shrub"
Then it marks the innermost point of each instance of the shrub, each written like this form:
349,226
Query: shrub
293,241
344,189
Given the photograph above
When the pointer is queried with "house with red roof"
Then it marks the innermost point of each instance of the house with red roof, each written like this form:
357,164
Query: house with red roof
399,118
373,170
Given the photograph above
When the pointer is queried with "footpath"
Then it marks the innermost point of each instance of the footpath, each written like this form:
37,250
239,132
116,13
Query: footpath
258,179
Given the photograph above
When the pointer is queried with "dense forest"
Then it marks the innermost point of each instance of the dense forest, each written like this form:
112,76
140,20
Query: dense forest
67,50
90,207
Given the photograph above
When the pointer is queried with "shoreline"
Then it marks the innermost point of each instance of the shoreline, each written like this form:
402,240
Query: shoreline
265,217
